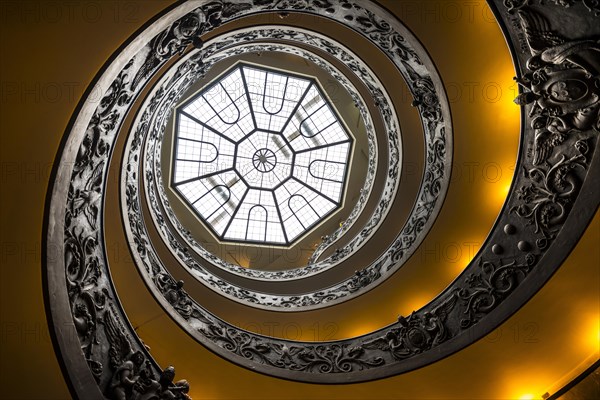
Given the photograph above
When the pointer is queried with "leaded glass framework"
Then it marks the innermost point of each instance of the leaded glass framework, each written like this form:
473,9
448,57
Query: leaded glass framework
260,155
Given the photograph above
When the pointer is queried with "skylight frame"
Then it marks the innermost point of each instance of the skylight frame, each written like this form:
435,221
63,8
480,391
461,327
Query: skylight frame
312,84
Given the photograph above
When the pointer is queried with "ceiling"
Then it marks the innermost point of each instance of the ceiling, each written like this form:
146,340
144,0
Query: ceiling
532,353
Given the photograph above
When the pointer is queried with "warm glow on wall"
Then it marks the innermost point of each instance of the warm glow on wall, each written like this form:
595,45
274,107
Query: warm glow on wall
414,303
528,381
526,390
527,397
504,189
461,255
499,190
361,329
590,338
509,111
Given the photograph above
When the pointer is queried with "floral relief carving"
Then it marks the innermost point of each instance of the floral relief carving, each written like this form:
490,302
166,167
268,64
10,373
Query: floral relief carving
593,6
562,89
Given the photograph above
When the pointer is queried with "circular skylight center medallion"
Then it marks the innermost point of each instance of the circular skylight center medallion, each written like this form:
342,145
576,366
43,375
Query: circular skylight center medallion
264,160
261,155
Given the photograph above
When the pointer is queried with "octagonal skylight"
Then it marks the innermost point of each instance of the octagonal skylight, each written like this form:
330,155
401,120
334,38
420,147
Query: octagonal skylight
260,155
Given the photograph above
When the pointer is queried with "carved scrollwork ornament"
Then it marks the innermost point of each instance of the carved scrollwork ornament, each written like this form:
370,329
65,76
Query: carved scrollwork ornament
553,198
562,91
593,6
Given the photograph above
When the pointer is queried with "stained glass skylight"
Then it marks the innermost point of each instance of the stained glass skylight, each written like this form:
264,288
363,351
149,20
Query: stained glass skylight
261,155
